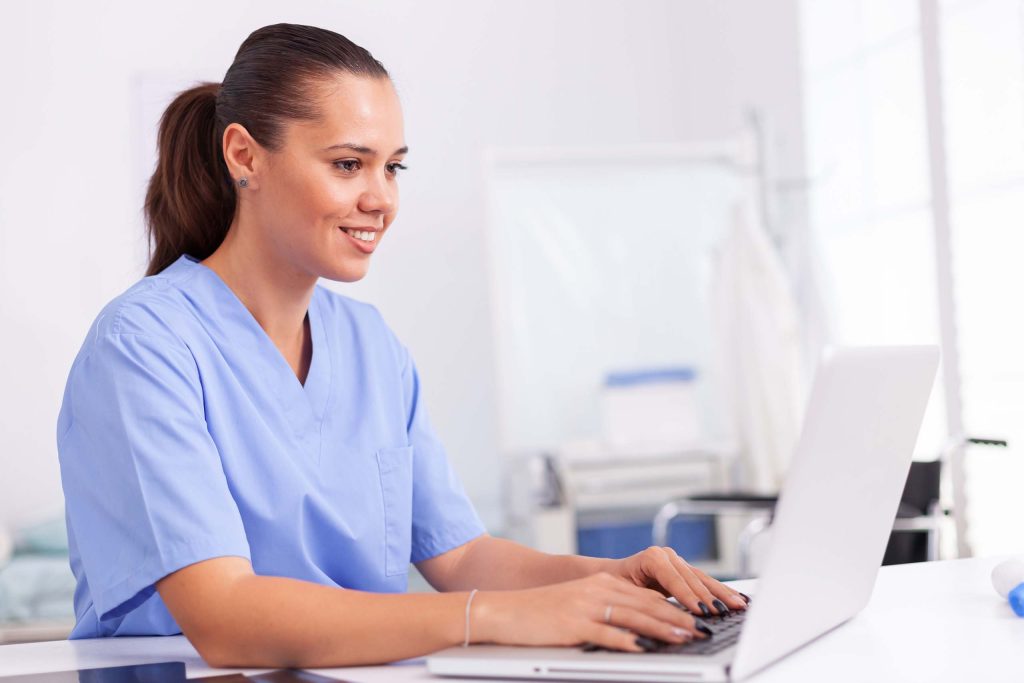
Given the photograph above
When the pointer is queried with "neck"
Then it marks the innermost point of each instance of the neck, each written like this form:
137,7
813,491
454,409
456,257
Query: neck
275,293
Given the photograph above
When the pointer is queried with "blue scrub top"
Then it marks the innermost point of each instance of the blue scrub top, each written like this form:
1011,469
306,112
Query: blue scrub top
185,435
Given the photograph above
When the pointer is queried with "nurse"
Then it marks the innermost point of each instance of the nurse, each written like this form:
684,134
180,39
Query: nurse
246,456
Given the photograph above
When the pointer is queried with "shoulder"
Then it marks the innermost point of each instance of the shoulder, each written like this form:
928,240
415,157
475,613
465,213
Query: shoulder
132,343
153,308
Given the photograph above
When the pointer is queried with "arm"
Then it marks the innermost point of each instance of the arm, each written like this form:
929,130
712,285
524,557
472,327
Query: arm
492,564
235,618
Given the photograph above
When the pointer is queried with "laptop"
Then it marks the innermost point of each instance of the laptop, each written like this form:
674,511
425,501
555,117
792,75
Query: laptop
829,533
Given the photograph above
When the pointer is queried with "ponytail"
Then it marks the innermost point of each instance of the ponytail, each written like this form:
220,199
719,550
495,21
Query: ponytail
190,200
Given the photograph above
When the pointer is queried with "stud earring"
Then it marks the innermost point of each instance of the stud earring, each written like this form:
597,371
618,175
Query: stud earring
243,182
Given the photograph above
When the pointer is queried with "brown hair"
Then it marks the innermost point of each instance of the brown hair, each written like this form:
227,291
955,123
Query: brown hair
190,201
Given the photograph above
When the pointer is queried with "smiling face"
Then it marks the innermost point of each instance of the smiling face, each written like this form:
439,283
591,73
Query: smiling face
323,200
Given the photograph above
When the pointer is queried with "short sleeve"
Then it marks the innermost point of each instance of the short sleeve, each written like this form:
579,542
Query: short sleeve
144,486
443,517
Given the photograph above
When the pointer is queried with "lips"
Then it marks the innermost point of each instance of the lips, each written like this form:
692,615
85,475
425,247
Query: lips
362,245
367,233
364,235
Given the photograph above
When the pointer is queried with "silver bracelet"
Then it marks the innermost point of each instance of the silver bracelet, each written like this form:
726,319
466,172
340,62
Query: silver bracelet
469,601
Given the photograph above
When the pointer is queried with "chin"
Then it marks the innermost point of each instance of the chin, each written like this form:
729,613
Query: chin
346,274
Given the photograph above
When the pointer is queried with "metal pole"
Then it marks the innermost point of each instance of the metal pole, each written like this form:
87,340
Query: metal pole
939,179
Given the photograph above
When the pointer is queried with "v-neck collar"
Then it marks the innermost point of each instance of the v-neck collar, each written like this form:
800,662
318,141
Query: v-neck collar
238,329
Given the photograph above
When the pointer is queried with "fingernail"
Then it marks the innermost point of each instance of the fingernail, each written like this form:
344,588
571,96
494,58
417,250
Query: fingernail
720,606
704,609
646,643
745,597
705,630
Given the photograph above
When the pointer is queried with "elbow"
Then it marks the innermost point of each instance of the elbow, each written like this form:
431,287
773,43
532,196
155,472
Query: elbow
220,651
230,652
217,655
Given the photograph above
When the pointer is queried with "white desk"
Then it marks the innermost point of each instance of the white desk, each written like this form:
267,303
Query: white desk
939,621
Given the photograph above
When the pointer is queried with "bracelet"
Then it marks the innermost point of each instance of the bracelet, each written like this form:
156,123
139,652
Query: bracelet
469,601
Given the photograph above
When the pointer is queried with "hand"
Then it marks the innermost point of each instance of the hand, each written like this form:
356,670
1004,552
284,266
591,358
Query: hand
574,613
663,570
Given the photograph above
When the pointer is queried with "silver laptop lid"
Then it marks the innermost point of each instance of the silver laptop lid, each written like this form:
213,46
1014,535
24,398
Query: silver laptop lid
840,497
829,534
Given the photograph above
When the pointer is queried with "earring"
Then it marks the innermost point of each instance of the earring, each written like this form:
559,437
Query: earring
243,182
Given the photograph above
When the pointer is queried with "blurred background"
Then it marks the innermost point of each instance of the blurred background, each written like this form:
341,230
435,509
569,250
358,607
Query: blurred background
627,232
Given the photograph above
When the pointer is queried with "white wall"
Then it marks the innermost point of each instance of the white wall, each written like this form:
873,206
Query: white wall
470,74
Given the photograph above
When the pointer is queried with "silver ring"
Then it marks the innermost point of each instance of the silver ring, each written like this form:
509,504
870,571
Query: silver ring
608,614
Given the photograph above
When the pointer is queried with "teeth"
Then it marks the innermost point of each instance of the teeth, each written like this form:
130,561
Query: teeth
365,236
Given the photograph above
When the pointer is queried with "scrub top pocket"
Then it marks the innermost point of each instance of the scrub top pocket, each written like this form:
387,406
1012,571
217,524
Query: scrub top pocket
395,465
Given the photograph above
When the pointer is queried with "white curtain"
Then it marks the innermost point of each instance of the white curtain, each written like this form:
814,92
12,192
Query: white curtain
757,333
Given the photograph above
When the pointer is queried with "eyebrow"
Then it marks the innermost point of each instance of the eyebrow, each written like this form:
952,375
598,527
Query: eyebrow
363,150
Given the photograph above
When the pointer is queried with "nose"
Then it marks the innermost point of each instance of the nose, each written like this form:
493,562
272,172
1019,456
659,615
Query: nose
379,195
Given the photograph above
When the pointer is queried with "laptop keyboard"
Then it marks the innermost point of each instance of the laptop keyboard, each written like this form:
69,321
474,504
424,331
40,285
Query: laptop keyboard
726,632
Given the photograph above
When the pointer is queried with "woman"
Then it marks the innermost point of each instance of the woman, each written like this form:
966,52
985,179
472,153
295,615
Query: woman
245,456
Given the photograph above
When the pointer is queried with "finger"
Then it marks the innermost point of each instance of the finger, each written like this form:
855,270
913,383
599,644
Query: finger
703,590
619,591
733,598
611,637
730,595
659,608
675,579
673,613
627,587
674,575
647,625
654,603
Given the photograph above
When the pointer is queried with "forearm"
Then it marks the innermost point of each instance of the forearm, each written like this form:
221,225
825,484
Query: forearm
500,564
280,622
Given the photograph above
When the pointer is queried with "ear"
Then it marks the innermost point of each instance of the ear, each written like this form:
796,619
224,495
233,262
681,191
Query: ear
242,155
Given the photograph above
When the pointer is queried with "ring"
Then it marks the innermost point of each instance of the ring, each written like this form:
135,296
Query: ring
608,614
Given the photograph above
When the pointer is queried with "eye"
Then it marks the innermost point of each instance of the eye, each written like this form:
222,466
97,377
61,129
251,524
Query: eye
349,165
393,168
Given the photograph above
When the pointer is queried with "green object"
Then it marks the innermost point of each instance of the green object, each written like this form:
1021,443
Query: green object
36,587
49,537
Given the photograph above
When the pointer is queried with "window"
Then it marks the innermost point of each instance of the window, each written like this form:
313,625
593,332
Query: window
871,210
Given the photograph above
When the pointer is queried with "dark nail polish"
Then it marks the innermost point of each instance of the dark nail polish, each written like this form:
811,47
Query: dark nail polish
646,643
704,609
720,606
704,629
745,597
